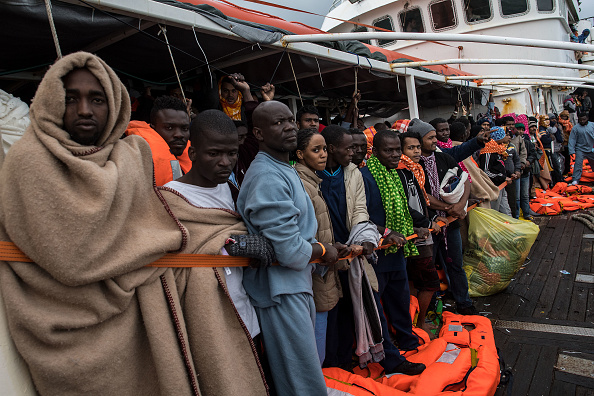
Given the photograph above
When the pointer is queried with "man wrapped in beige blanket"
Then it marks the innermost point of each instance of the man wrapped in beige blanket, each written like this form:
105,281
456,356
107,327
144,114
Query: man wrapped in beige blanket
87,316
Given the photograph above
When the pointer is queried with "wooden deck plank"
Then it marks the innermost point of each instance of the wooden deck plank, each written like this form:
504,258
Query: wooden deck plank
543,374
560,388
552,276
581,391
589,309
524,369
579,303
566,282
525,286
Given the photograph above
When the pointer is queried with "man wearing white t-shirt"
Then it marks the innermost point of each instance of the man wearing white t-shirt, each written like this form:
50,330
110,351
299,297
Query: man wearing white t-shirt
213,154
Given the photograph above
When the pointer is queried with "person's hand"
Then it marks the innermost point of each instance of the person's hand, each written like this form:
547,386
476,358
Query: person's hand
367,248
457,210
524,165
444,220
395,238
331,255
254,246
189,105
422,233
238,81
508,180
267,92
464,113
435,227
343,250
356,97
483,137
517,174
469,106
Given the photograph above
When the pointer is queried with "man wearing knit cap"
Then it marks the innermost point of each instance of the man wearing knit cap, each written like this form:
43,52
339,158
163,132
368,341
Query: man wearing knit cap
436,164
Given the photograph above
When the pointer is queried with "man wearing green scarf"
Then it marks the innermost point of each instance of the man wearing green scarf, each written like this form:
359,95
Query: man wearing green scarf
388,209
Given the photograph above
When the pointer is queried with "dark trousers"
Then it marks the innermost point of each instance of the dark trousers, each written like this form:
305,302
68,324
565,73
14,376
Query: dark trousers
393,357
511,198
395,295
340,333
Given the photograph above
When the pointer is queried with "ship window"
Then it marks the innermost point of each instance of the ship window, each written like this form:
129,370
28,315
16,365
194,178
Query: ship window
477,10
442,14
411,20
545,5
513,7
359,29
384,23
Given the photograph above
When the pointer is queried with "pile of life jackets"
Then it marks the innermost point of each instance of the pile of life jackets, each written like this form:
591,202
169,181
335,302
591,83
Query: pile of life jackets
587,172
562,197
463,360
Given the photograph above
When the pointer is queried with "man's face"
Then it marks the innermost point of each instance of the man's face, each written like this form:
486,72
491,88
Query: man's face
213,158
486,126
229,93
429,143
309,120
359,148
242,134
510,126
583,120
443,131
520,131
389,152
174,127
86,112
342,153
412,149
278,131
532,130
505,140
176,93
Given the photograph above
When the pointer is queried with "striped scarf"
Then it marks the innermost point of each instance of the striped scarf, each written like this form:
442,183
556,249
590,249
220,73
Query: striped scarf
449,144
395,204
417,170
431,169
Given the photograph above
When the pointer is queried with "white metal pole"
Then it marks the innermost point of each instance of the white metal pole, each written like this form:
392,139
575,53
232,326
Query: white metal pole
411,94
468,38
536,83
491,62
525,77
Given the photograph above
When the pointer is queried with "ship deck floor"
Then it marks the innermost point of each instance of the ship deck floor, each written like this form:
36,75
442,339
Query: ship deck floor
544,321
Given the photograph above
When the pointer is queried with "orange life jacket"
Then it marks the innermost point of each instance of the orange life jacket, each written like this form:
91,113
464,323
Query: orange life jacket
165,164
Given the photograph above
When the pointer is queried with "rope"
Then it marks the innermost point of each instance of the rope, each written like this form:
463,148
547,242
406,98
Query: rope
205,58
10,252
277,65
164,31
50,16
320,73
295,77
586,218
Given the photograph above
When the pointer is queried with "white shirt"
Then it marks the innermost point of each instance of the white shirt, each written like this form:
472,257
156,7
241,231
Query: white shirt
219,197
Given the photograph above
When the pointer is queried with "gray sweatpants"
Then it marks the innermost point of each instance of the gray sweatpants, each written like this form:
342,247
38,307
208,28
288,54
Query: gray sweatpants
290,344
501,205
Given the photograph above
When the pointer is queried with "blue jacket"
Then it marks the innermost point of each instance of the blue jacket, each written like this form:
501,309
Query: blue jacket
463,151
273,203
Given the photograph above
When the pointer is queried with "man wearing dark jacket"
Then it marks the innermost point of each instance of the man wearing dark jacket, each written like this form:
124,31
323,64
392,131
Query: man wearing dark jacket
463,151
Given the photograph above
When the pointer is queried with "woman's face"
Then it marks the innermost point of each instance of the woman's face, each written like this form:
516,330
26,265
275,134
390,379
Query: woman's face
315,154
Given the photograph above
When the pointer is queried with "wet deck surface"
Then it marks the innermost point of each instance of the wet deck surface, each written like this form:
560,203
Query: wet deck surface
544,321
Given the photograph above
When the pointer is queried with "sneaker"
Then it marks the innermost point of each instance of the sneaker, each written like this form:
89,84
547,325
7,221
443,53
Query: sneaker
470,310
529,218
408,368
574,183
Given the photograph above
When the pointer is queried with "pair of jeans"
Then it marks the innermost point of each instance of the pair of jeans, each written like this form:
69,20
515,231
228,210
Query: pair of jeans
320,331
452,258
524,194
579,162
518,185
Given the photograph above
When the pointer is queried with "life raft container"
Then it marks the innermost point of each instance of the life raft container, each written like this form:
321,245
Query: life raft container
461,361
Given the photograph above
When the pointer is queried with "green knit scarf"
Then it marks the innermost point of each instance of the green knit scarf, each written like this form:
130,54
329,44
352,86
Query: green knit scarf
395,204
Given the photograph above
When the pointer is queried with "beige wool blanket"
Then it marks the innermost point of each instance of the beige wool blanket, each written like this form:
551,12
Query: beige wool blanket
481,187
88,317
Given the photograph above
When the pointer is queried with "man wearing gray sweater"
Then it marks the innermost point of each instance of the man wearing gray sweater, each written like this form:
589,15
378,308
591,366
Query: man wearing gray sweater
273,203
581,141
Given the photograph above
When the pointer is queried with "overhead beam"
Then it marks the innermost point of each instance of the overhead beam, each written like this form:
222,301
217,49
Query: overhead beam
536,83
491,62
524,77
115,37
458,37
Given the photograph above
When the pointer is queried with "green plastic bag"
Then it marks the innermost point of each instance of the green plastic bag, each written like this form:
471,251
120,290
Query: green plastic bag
497,248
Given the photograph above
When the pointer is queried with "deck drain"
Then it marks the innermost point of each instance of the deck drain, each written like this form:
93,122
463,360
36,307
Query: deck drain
584,278
545,328
575,365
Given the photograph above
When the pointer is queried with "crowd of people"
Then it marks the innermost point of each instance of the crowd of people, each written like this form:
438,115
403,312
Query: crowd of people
100,197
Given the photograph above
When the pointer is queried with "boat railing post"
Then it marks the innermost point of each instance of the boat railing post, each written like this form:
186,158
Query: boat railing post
411,94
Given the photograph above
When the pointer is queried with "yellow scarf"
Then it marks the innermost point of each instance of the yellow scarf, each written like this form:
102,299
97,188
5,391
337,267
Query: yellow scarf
232,110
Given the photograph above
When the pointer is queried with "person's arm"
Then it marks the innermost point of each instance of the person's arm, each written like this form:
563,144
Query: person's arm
353,110
238,81
571,141
458,210
466,149
271,210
